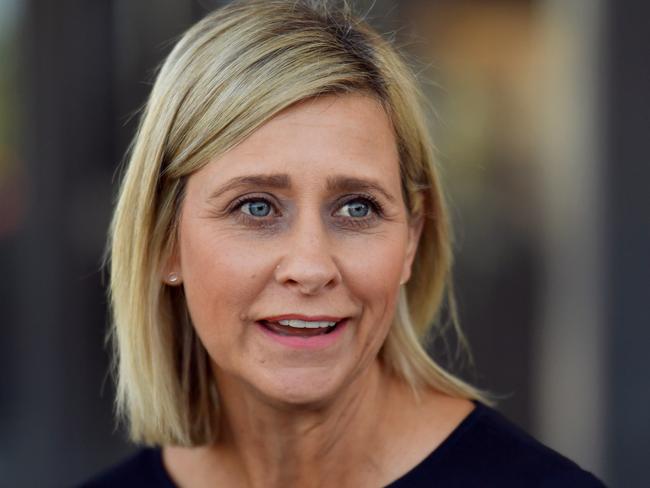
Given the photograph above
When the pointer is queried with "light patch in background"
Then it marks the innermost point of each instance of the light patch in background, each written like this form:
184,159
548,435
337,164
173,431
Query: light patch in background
570,380
9,12
515,88
12,178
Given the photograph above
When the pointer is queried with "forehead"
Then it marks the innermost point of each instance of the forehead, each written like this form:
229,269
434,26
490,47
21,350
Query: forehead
349,116
348,133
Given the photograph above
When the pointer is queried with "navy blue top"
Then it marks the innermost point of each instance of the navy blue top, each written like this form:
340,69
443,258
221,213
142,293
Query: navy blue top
485,450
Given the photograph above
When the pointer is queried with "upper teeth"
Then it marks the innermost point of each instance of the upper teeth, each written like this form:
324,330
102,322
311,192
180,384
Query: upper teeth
301,324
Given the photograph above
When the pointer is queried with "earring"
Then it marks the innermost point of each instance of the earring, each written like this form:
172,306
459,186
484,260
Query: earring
172,278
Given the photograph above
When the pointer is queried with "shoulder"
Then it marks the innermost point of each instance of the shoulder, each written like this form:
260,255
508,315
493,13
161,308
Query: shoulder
486,449
142,469
497,445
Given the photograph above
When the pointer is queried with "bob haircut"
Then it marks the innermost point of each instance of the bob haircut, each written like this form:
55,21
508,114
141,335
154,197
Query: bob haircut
229,74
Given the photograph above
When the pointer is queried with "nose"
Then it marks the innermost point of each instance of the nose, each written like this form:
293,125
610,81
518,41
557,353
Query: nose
308,263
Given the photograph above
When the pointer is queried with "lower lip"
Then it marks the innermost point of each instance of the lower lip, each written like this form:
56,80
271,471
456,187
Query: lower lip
315,342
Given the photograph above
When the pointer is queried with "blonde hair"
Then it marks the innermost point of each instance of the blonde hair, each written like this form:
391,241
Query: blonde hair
227,75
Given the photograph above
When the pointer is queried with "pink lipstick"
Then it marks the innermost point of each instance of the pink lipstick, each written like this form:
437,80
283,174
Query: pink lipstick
303,331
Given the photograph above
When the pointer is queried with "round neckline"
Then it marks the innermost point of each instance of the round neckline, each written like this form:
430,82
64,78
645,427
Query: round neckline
438,452
441,449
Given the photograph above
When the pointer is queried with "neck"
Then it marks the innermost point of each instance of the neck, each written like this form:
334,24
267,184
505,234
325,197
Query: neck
306,446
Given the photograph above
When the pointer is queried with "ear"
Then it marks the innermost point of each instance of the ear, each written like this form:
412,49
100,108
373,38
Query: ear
414,233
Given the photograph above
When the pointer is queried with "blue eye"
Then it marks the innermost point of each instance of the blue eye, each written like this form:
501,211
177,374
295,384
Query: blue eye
256,208
357,208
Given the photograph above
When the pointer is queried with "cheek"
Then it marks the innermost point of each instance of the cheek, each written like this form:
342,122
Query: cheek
221,278
376,262
373,273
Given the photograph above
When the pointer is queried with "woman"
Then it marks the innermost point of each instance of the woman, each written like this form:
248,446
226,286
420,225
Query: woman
279,250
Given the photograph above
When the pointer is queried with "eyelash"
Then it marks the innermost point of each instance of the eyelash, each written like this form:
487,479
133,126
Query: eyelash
376,211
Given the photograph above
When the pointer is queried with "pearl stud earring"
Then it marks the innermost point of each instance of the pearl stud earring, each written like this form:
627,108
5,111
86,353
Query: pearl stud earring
172,278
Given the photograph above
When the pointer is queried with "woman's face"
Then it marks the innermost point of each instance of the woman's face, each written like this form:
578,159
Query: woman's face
299,227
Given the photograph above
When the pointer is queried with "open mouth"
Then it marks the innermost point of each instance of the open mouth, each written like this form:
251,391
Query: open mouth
299,328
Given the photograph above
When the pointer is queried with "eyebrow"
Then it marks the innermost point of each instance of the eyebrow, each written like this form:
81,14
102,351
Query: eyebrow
278,181
347,183
283,182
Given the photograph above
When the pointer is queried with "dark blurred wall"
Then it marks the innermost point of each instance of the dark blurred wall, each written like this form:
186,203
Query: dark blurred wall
57,417
86,66
627,119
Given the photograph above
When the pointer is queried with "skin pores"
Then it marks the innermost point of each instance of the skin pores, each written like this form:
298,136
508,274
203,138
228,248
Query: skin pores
306,218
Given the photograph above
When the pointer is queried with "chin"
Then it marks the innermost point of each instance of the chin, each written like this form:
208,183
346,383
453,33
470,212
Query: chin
302,387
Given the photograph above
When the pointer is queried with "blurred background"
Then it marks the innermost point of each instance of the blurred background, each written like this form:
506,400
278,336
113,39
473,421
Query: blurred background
542,124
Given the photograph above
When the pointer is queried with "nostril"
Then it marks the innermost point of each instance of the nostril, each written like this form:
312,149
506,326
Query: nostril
309,286
309,272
